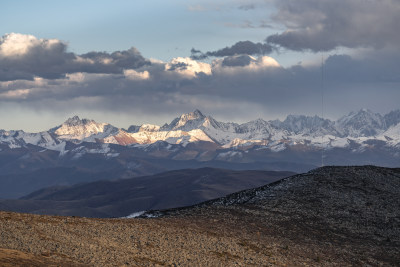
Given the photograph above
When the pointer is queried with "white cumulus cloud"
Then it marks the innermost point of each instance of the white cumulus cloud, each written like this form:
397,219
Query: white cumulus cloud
188,67
136,75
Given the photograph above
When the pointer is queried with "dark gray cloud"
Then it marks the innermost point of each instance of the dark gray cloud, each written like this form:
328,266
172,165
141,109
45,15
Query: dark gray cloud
240,82
126,82
323,25
128,59
240,48
235,61
178,66
25,56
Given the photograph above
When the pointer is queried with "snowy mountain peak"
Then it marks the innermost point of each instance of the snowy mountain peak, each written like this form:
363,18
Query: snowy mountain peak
392,118
361,112
188,121
149,128
256,125
301,124
192,115
362,123
84,130
75,120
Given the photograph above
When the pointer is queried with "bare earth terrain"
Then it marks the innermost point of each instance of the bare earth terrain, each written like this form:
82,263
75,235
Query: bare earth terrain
43,240
340,216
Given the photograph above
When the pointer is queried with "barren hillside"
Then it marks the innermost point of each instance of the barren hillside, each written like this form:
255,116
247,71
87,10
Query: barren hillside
334,216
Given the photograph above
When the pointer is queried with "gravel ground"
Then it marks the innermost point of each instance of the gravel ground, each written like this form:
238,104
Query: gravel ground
186,241
223,237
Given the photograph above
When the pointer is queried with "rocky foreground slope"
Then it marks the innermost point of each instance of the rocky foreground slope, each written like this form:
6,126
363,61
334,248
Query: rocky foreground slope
332,216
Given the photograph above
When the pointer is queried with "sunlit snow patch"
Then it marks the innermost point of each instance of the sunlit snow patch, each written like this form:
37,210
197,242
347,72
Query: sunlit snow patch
135,214
151,214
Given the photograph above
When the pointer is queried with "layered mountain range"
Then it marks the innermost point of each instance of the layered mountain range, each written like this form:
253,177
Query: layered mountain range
122,197
362,127
82,150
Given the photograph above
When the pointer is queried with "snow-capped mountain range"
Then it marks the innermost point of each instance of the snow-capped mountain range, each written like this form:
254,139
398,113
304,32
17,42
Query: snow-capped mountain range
363,128
83,150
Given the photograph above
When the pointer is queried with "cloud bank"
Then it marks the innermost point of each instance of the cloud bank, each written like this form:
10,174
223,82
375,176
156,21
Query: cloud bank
242,47
323,25
42,74
25,57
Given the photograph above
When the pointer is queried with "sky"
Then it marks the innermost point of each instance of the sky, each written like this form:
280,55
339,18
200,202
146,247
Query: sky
133,62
